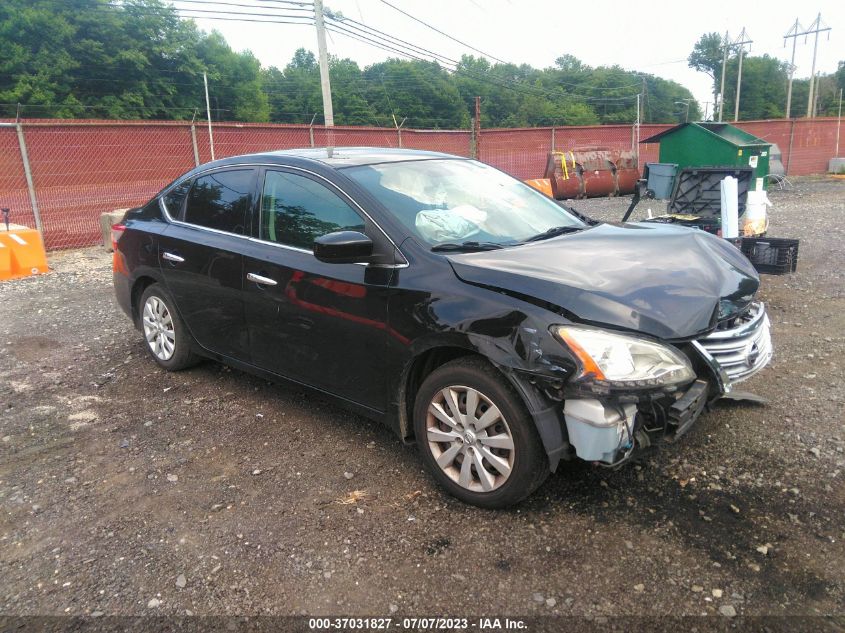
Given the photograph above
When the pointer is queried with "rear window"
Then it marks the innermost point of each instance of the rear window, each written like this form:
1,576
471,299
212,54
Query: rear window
221,200
174,200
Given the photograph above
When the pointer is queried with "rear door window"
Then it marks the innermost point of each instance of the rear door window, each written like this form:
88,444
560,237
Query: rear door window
174,200
221,200
296,210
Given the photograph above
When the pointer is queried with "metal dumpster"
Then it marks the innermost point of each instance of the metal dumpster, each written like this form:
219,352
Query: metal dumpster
715,145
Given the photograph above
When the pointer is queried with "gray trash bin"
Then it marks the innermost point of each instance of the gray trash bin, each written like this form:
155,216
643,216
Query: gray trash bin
661,179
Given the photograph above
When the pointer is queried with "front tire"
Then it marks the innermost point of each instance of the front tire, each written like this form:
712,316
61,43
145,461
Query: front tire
476,437
165,336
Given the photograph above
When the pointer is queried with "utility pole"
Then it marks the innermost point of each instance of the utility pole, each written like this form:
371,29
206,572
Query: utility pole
794,34
328,112
816,27
476,126
398,127
838,125
685,102
741,42
208,114
724,67
637,127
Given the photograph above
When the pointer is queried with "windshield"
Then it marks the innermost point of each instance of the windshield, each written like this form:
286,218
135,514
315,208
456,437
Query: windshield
456,201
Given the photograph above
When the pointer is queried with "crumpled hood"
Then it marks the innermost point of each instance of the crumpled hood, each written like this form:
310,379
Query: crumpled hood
666,281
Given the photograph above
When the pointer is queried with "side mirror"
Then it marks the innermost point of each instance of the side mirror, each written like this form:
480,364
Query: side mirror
343,247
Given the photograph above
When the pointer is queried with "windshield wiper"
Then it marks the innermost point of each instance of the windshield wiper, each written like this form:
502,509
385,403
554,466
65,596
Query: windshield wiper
466,246
553,232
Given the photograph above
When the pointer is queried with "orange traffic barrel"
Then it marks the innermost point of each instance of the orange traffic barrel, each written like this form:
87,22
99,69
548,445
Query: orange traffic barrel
541,184
21,252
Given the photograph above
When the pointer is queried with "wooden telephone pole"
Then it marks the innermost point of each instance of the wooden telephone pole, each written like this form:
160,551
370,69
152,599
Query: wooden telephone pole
724,67
325,84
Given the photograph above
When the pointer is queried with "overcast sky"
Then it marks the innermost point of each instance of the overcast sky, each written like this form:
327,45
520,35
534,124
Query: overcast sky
652,37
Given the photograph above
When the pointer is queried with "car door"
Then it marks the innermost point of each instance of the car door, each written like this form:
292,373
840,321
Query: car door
201,257
317,323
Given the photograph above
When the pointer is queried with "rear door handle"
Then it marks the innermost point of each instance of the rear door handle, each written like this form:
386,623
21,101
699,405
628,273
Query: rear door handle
172,258
264,281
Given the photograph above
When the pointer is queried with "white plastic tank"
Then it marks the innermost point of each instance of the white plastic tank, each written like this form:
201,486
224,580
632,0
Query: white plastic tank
756,218
596,432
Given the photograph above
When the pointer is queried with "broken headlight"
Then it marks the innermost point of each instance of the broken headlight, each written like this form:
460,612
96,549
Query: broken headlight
624,361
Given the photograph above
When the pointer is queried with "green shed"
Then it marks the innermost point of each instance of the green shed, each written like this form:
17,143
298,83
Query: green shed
714,145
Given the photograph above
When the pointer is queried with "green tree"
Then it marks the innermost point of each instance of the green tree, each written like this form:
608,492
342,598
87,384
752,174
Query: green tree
707,56
763,93
235,78
475,77
421,92
349,95
827,90
294,94
90,58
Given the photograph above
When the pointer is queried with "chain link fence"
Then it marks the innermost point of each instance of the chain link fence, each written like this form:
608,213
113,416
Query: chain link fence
60,175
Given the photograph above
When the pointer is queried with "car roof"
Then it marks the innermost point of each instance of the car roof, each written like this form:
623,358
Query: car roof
339,157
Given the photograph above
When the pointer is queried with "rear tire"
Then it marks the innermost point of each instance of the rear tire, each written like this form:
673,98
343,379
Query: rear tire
165,336
487,453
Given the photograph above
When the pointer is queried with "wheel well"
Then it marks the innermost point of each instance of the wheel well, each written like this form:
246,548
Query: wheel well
421,367
141,284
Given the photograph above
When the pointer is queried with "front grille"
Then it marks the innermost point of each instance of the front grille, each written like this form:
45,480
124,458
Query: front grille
744,349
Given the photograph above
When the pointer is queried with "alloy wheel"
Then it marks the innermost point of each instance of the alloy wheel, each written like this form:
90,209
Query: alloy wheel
158,328
469,438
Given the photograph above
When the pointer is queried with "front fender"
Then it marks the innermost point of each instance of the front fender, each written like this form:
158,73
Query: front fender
527,357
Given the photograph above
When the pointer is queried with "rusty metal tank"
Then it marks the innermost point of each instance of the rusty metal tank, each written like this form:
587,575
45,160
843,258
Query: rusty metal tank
592,172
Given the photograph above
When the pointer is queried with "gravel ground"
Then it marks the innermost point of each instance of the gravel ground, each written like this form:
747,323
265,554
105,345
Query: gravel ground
126,490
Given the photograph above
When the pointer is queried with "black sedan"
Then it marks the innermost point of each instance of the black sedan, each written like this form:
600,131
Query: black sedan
499,330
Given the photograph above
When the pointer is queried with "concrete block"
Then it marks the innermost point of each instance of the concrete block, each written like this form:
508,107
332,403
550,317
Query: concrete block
107,218
836,166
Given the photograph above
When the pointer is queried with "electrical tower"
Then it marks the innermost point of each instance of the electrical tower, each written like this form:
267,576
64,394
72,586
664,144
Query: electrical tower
816,27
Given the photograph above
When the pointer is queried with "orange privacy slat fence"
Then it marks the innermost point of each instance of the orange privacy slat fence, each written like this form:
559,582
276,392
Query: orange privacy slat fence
82,168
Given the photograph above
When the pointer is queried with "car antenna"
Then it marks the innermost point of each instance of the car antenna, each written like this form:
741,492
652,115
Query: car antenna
6,218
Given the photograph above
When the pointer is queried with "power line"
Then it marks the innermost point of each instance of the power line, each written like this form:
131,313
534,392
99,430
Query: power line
372,31
402,48
302,4
57,106
223,12
308,8
500,82
454,39
226,16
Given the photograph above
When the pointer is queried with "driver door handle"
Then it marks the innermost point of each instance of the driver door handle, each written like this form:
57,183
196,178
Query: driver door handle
263,281
172,258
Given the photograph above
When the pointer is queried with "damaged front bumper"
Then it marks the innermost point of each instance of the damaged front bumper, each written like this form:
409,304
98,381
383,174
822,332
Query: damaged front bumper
611,432
613,427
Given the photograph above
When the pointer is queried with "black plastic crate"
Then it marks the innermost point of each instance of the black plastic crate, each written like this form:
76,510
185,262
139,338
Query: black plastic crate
772,255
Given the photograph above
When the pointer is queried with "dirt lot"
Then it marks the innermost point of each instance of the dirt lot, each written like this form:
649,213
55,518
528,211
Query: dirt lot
128,490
